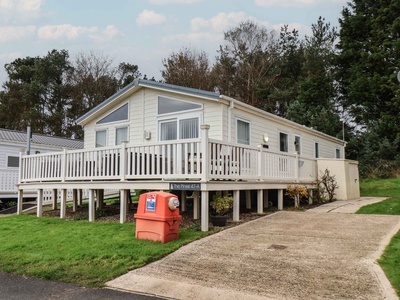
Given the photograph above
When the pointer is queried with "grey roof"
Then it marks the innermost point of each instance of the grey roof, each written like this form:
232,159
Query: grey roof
153,84
40,139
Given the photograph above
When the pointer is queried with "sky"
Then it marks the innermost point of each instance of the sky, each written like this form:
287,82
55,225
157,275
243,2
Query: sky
143,32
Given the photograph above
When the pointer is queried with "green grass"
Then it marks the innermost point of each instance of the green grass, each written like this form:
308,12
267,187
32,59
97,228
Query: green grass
390,259
380,187
80,252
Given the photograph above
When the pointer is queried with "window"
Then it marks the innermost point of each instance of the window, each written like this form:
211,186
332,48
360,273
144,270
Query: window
13,161
337,153
179,128
297,144
167,105
121,135
242,132
101,138
283,142
316,149
120,114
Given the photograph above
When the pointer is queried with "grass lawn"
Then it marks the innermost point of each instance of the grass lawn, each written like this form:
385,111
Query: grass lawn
390,260
78,251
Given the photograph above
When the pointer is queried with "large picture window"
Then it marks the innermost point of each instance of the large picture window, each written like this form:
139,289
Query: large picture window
179,129
168,105
283,142
242,132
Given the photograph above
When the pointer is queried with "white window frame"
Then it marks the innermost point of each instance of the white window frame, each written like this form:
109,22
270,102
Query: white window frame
114,122
14,156
181,111
338,150
236,124
300,142
316,147
177,118
95,138
127,134
287,141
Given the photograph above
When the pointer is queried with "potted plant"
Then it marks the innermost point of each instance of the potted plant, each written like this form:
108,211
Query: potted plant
221,205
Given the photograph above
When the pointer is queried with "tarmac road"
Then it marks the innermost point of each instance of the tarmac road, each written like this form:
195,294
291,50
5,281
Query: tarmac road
14,287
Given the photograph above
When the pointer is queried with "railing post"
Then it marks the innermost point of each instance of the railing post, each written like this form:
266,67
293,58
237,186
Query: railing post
259,165
63,164
297,166
21,165
123,160
204,150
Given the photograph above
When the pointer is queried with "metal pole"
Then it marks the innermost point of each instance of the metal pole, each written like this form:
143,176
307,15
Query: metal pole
28,140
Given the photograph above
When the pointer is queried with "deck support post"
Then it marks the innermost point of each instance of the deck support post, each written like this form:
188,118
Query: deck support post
39,203
236,205
196,202
310,196
183,201
266,200
91,205
248,199
280,199
63,205
74,199
80,196
54,196
123,204
204,210
20,201
260,204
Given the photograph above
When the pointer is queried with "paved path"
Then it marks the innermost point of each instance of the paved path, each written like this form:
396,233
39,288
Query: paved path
287,255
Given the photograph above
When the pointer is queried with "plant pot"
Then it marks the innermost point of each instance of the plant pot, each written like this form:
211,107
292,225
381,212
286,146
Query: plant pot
217,220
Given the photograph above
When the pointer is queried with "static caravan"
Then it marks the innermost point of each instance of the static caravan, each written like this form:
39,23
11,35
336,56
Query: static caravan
159,136
12,143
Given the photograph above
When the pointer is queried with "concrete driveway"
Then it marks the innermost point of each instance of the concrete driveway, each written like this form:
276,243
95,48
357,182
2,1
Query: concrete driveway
287,255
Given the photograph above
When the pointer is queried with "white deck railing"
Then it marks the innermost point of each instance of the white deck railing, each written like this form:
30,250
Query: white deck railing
202,159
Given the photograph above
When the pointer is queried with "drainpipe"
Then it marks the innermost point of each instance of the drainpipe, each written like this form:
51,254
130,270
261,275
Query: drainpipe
28,140
231,106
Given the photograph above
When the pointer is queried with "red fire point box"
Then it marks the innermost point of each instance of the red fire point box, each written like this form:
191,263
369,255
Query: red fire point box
157,217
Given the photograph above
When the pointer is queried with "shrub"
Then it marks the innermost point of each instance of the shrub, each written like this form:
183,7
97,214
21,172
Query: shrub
296,193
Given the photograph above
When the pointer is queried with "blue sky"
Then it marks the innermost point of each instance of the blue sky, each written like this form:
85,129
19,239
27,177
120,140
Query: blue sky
143,32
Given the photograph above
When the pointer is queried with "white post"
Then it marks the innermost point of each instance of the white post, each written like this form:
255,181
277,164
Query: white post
196,202
297,166
204,151
260,207
123,160
280,199
91,205
236,205
183,201
259,171
39,203
63,164
204,210
63,205
20,200
74,199
266,200
123,201
248,199
310,196
21,165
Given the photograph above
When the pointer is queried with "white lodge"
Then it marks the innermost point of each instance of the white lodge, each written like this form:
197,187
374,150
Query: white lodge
157,136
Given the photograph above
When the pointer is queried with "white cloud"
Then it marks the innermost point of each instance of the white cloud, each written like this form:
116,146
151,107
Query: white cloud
302,29
174,1
294,3
68,31
107,34
9,57
222,22
149,17
20,9
12,33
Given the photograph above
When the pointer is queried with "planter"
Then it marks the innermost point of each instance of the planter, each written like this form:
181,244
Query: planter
218,220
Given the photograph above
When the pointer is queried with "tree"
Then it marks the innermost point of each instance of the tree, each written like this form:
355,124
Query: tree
367,64
247,63
188,68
